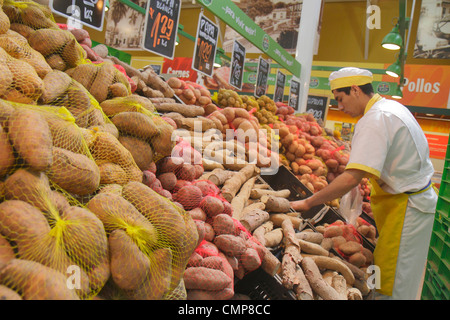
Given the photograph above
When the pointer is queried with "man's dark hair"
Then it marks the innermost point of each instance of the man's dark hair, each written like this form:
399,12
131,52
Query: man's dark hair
365,88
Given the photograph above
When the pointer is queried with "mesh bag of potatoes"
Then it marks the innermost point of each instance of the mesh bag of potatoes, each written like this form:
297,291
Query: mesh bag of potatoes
142,131
103,80
59,89
45,165
35,22
150,241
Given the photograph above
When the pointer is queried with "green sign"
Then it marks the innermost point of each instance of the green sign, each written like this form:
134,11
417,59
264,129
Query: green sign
230,13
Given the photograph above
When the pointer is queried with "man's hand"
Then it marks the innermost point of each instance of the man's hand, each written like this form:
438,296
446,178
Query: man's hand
300,205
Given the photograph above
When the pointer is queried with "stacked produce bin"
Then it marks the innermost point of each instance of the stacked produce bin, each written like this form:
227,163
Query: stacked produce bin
436,284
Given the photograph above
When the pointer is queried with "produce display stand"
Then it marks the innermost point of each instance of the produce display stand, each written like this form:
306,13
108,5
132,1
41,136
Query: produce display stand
436,284
147,217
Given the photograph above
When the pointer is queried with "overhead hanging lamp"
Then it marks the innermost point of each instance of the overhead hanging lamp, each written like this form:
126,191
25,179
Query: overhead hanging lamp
393,40
398,93
395,69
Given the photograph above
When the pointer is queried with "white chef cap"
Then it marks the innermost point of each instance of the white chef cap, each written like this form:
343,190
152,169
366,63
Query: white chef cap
349,76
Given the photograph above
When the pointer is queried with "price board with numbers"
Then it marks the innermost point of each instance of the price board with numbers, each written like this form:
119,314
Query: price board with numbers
294,93
237,65
318,106
90,13
279,87
161,27
262,77
205,47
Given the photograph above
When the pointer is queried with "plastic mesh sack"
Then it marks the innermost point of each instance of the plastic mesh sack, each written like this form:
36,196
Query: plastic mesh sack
45,165
103,80
150,241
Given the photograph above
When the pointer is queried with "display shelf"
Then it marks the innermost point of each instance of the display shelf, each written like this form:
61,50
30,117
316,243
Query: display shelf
259,285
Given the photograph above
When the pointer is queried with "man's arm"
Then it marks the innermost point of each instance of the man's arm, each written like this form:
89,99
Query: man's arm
342,184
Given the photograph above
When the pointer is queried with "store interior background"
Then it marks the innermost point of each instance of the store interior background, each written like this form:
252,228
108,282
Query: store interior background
342,43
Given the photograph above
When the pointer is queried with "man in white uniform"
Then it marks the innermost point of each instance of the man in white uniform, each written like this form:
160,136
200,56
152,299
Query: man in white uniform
390,148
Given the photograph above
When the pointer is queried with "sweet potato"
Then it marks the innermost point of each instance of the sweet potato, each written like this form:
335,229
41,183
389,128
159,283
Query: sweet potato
74,172
111,173
205,279
168,180
129,266
250,259
210,234
56,84
212,205
140,150
135,124
6,153
30,136
8,294
189,196
32,187
103,79
48,41
230,244
36,281
224,224
116,212
6,252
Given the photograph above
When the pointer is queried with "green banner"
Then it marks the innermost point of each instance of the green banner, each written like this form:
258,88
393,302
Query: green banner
381,87
230,13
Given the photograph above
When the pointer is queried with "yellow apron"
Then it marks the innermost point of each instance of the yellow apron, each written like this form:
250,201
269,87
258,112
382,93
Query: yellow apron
389,213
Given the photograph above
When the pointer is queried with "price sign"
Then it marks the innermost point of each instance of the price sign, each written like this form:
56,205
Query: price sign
279,87
294,92
318,106
205,49
237,65
261,78
87,12
161,27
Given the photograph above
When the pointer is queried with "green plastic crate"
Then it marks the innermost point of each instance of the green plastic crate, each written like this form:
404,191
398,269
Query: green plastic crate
436,284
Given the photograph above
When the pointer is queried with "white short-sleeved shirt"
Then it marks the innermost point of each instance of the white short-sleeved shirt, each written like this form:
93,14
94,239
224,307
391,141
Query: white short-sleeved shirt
390,144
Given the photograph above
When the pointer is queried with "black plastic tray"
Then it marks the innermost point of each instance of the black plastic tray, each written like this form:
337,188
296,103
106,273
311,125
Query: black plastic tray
285,179
259,285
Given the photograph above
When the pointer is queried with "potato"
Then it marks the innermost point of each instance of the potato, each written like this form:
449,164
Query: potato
111,173
32,187
224,224
55,85
117,213
6,251
8,294
36,281
6,79
135,124
250,259
140,150
6,153
129,265
48,41
103,79
333,231
107,148
30,136
75,173
86,244
162,143
357,259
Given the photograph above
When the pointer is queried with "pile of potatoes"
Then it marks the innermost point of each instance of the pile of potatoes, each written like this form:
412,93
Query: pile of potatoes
192,93
225,250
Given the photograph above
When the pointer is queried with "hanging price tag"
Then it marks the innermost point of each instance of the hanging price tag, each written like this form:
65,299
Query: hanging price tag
261,79
161,27
87,12
294,93
205,49
279,87
237,65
